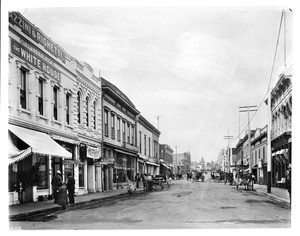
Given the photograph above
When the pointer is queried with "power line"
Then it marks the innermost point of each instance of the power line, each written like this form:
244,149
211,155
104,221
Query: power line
270,79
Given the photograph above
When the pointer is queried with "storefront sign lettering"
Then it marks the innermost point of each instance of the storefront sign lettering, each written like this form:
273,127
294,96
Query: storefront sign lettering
34,33
35,57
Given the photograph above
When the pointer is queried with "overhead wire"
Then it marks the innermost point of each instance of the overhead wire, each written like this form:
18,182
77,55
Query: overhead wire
271,74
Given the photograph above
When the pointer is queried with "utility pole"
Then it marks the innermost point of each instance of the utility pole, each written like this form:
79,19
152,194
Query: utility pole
228,137
157,117
242,109
176,162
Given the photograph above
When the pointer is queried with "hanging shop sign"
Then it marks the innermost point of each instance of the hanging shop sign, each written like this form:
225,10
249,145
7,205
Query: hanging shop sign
35,57
92,152
37,35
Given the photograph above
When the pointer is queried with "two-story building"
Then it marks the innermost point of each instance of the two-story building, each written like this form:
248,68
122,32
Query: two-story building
259,155
281,130
148,141
120,151
166,158
41,100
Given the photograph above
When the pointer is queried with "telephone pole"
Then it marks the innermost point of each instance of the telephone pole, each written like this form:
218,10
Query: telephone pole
243,109
228,137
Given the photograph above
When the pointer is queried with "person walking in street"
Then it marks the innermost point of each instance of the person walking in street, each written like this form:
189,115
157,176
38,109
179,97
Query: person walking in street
137,180
71,188
55,181
62,195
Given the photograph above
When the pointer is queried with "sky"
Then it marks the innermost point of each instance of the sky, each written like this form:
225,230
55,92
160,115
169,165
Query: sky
192,66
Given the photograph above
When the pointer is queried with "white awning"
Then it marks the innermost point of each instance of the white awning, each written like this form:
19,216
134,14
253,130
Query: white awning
14,154
151,163
165,165
40,143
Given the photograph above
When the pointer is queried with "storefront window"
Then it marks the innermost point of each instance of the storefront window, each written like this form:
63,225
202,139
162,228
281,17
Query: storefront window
41,172
81,175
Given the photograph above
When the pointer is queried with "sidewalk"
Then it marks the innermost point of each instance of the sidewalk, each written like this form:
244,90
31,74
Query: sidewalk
279,195
31,208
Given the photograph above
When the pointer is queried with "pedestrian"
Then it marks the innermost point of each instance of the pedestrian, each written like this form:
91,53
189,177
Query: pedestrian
137,180
55,181
62,195
71,188
289,183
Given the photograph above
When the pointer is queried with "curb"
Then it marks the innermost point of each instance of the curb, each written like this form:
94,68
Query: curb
21,216
281,201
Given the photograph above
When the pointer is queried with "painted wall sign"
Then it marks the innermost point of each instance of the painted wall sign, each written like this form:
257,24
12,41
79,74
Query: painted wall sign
35,57
37,35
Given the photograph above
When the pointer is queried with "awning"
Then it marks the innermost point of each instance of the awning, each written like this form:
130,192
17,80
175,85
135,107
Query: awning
14,154
40,143
165,165
127,153
151,163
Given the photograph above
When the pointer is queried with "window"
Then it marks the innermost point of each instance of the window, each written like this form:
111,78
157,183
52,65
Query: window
112,126
78,106
23,89
87,111
106,123
132,135
68,108
81,175
55,97
123,135
128,133
119,129
140,142
145,144
41,97
149,142
95,115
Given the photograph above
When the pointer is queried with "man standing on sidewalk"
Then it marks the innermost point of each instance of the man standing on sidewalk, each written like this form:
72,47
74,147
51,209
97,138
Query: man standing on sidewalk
55,181
71,188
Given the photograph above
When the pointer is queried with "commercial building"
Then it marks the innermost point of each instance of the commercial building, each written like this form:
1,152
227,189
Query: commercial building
281,130
166,158
120,151
148,149
259,155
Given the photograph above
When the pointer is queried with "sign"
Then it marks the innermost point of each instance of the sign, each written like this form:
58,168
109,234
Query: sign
35,57
37,35
92,152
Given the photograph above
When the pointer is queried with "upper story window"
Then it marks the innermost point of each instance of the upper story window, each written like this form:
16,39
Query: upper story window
55,103
95,115
87,111
112,126
78,107
145,144
132,135
119,129
124,130
128,133
68,96
149,142
106,123
140,141
41,96
23,80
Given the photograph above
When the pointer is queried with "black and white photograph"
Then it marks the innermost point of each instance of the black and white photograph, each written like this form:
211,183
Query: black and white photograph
148,116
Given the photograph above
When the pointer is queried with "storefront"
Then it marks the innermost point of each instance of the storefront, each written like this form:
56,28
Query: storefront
164,169
30,172
152,168
124,168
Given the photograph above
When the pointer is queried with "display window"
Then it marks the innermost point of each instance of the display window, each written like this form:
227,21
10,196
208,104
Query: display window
40,171
81,175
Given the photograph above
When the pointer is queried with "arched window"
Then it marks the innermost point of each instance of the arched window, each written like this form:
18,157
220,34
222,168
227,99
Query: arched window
95,115
78,106
87,111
